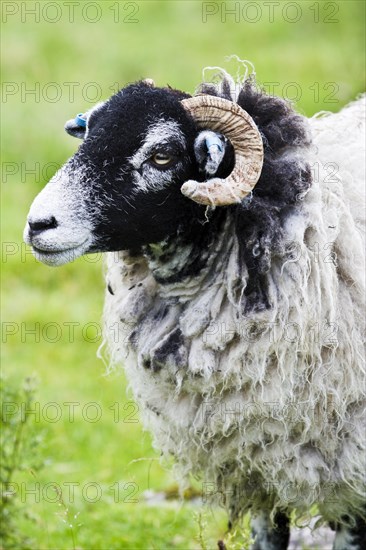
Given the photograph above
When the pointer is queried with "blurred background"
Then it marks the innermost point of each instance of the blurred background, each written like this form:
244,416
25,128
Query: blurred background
80,471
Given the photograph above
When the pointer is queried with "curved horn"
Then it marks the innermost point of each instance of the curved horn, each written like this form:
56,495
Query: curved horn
226,117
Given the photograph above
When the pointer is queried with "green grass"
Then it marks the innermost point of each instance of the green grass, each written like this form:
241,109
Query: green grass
171,44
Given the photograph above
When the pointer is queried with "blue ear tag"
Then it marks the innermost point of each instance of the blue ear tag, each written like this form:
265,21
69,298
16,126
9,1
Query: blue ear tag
80,121
213,141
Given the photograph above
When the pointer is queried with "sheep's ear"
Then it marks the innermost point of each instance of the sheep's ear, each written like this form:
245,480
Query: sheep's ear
209,149
76,127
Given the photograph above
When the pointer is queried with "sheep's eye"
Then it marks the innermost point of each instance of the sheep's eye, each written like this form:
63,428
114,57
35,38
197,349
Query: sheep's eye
160,159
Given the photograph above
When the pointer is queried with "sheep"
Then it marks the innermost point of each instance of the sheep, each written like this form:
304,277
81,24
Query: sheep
234,234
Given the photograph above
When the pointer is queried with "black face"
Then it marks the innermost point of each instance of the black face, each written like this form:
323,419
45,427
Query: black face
137,153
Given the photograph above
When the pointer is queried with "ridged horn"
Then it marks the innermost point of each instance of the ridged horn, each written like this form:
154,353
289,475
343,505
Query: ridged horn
226,117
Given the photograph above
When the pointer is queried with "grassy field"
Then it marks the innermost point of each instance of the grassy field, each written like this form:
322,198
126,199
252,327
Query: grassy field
59,61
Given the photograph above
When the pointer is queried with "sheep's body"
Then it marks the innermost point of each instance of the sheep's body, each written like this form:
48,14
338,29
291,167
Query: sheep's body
241,328
266,404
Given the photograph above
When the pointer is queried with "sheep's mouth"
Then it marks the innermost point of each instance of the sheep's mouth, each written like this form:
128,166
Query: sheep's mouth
60,256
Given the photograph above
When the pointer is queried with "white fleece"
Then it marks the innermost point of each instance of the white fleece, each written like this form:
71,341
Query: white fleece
269,406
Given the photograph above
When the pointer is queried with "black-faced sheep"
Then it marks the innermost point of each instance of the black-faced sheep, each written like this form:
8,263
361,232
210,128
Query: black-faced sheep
236,281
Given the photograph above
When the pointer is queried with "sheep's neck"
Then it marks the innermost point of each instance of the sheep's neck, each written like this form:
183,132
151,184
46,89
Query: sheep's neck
183,265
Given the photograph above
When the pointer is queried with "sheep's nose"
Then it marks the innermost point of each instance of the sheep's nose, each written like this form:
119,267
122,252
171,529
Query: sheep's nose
38,226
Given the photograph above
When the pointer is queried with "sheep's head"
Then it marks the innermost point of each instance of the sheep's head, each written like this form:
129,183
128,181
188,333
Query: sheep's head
151,161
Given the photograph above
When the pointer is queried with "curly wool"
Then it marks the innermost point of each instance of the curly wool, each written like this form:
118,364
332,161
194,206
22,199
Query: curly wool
251,372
